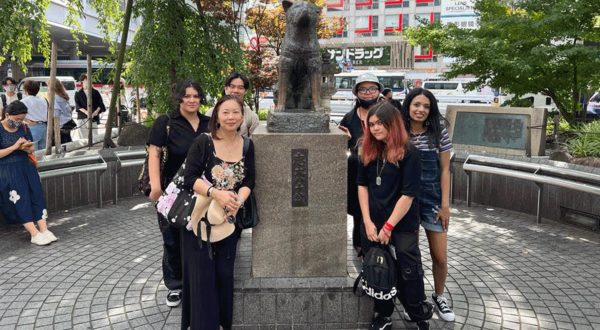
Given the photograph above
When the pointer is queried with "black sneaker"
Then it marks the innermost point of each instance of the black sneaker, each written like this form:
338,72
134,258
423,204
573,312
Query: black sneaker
381,323
443,309
174,298
423,325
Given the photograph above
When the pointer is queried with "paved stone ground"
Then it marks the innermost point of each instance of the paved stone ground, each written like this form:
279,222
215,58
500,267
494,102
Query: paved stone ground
506,272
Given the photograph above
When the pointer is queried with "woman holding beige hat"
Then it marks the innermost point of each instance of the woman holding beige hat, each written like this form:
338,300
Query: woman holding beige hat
221,172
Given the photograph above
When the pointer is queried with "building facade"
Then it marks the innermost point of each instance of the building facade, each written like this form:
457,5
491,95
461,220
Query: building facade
379,23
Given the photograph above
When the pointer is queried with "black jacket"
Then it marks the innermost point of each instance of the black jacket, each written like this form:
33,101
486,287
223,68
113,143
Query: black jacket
81,102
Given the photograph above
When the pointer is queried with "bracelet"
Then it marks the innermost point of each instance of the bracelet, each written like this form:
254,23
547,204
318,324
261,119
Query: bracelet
209,191
388,226
386,234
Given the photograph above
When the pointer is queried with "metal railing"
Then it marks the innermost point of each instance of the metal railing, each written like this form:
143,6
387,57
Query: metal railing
65,166
539,174
128,158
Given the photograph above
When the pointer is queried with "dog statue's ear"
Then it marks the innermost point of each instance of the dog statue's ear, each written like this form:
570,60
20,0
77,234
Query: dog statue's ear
286,4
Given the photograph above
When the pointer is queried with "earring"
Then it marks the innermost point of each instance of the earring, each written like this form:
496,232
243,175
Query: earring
427,123
218,125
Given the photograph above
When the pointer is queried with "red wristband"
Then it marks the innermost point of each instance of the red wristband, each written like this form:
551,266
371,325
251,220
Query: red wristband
386,234
388,226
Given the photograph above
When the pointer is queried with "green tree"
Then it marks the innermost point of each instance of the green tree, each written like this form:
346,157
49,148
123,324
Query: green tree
533,46
24,29
176,41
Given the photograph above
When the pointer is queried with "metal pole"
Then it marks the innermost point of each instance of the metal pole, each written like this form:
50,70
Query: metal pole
137,104
469,189
50,120
89,101
539,203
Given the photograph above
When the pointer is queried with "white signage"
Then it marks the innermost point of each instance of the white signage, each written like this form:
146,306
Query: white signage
460,13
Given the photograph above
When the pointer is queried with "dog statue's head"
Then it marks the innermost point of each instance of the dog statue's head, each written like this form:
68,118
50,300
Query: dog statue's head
301,13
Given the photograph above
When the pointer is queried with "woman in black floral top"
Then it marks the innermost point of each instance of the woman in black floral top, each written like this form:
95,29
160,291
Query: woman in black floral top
216,167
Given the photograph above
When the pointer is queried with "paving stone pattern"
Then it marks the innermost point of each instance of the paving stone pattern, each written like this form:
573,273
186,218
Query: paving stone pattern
506,272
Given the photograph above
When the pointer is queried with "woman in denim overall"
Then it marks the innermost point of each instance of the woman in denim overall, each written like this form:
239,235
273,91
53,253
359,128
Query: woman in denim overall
423,121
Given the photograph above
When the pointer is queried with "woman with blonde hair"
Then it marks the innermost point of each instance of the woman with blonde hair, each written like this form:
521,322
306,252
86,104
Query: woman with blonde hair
62,110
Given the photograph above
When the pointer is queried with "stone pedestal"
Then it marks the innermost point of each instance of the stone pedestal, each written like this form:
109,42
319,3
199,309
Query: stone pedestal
300,169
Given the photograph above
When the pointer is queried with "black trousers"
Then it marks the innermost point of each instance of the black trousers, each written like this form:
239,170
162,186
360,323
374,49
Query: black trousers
171,263
410,285
208,284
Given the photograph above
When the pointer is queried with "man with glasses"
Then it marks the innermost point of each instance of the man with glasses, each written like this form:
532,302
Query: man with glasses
237,85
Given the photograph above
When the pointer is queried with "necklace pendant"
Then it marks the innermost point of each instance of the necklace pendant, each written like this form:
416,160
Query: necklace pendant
378,181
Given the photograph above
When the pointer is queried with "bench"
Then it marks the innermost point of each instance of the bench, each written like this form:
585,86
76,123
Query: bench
65,166
128,158
539,174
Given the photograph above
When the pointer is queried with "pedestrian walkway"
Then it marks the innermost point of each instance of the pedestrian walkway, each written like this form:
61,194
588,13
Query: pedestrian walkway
104,272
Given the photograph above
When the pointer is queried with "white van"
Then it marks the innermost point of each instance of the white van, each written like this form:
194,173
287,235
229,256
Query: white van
446,88
68,82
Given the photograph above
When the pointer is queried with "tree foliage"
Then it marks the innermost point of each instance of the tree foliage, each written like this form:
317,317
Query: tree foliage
176,41
24,29
533,46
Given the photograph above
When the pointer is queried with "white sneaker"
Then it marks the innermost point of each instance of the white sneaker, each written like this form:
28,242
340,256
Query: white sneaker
40,239
49,235
443,309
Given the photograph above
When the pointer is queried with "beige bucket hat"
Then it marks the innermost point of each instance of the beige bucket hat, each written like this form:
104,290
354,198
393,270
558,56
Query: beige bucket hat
214,213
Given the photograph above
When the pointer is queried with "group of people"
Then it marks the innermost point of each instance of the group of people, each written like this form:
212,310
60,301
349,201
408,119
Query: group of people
37,108
398,179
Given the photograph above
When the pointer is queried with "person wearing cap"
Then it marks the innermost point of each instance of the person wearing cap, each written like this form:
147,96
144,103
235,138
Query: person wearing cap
223,177
367,91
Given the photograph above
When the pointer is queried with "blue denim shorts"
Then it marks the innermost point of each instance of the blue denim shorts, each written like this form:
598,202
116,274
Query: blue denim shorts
429,205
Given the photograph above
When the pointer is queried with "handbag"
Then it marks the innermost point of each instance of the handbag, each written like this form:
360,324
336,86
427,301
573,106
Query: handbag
177,202
247,216
144,178
68,126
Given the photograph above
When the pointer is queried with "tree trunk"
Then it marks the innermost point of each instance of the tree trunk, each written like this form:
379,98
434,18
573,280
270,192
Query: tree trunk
108,142
50,120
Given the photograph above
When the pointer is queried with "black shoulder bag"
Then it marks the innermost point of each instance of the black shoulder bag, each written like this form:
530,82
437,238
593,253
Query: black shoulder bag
247,216
144,178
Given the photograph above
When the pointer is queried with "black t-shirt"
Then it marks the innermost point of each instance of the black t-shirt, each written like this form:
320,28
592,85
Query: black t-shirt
396,181
181,137
202,160
352,123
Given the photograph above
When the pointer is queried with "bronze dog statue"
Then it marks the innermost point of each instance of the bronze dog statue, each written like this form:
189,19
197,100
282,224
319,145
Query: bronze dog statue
299,84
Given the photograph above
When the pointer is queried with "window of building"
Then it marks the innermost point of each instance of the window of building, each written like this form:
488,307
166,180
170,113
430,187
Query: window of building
366,26
343,33
367,4
427,3
392,24
335,5
393,3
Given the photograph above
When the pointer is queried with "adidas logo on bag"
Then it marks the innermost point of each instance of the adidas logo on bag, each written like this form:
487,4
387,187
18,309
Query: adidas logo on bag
378,275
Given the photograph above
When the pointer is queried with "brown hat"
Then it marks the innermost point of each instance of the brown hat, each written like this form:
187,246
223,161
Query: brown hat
214,213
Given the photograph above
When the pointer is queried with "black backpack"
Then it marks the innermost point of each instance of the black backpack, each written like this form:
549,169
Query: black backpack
378,275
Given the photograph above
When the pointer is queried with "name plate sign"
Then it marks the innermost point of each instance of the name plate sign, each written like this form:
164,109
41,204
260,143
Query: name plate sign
492,130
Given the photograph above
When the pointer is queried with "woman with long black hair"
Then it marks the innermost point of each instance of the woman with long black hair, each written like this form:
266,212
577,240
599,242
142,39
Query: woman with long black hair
424,122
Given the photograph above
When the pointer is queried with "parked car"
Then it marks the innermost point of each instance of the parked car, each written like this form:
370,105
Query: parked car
68,82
